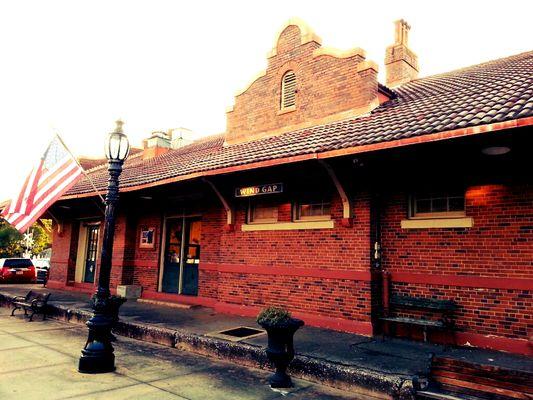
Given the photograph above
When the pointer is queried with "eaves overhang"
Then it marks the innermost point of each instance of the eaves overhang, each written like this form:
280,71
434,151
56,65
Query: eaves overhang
368,148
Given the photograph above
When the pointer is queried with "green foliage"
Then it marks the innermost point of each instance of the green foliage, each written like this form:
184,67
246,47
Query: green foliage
10,245
41,237
273,316
11,240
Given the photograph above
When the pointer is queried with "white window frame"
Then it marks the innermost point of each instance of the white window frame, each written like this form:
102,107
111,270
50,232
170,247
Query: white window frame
412,214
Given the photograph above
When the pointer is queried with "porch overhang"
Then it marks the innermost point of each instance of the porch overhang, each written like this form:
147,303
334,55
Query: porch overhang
411,141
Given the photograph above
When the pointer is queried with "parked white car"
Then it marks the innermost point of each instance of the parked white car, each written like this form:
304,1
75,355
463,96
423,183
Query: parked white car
42,269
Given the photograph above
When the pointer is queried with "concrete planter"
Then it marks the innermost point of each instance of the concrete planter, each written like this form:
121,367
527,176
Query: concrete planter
129,291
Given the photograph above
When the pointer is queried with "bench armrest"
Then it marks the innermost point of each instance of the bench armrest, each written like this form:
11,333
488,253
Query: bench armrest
37,303
19,298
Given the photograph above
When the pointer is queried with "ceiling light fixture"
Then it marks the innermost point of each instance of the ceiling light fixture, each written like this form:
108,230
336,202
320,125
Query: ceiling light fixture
495,150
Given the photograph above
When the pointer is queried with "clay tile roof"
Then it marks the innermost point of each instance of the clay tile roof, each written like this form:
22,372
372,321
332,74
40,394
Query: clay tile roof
495,91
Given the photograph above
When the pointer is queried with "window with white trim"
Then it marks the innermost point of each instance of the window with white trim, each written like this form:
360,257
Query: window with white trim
288,90
437,205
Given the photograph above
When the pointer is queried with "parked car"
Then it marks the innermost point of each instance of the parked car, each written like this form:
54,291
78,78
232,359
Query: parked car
17,270
42,269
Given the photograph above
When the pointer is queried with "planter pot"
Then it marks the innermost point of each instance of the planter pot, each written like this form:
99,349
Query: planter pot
280,350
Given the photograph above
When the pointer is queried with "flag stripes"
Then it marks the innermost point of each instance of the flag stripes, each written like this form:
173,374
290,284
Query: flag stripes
56,173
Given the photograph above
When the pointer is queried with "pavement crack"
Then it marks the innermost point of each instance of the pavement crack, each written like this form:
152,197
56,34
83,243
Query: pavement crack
19,347
17,371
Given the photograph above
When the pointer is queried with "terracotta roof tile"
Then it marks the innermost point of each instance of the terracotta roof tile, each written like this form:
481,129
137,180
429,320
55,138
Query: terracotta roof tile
491,92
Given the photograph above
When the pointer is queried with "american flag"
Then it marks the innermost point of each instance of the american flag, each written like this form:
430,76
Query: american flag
55,173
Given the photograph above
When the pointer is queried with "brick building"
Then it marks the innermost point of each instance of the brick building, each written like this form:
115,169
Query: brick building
329,193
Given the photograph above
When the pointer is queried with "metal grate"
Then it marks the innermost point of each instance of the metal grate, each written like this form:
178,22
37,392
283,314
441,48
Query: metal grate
238,333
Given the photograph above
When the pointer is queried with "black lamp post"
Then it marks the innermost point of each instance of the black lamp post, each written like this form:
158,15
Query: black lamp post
97,355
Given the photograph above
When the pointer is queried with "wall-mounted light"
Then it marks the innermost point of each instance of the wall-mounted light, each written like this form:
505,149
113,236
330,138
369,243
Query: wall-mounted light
145,197
495,150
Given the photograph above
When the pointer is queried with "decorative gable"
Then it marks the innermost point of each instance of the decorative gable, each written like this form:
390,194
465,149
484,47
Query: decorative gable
304,84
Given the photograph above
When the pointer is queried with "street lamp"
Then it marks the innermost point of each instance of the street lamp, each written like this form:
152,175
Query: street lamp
97,355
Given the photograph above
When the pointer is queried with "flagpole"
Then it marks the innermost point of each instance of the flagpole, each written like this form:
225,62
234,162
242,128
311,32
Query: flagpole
82,169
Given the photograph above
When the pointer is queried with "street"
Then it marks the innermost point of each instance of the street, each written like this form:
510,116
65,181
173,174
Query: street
38,360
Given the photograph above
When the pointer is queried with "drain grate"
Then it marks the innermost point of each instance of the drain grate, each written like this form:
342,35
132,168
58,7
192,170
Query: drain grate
241,332
238,333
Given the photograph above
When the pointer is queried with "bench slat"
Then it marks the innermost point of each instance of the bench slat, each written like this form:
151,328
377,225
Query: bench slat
423,303
414,321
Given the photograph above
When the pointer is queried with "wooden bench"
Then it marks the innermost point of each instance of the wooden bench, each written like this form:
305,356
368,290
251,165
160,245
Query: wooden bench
466,379
445,308
33,301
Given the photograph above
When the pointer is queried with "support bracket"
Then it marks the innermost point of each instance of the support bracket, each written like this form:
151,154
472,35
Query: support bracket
230,213
347,218
58,223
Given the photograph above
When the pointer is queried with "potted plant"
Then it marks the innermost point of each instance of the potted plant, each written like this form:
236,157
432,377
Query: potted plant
280,327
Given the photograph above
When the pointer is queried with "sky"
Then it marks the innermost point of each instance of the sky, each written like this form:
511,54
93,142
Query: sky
74,67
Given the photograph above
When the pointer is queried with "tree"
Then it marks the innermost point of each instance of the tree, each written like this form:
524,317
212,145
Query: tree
11,240
41,236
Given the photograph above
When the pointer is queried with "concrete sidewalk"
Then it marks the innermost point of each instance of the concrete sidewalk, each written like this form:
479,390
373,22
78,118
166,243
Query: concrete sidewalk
362,364
39,361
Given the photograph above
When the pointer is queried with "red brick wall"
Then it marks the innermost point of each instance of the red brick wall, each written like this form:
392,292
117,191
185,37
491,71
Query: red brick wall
146,261
326,297
339,248
63,259
124,246
499,245
331,249
326,85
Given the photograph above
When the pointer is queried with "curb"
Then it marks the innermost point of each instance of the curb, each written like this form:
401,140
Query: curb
379,385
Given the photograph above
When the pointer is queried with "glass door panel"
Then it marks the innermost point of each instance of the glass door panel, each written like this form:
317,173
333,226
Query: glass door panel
193,231
91,253
173,255
182,256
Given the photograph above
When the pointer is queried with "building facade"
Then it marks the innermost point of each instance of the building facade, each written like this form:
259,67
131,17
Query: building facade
329,193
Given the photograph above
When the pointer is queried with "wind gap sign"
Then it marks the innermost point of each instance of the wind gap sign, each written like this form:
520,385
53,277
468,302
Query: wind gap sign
269,188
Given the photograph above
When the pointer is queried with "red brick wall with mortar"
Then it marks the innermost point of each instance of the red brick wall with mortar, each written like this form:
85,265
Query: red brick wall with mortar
119,244
341,248
326,85
499,245
331,249
124,245
63,258
146,261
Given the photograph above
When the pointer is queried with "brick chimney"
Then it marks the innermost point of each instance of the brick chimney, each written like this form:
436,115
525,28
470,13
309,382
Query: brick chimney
155,145
401,64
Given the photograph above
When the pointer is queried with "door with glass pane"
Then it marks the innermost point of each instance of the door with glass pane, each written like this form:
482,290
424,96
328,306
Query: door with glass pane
181,256
172,260
91,253
191,259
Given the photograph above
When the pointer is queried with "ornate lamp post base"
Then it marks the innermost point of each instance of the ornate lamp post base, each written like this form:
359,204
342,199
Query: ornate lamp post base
97,355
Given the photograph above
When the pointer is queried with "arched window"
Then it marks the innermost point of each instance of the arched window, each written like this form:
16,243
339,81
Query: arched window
288,90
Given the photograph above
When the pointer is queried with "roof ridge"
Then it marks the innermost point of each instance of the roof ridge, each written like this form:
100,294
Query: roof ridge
195,145
528,53
491,92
